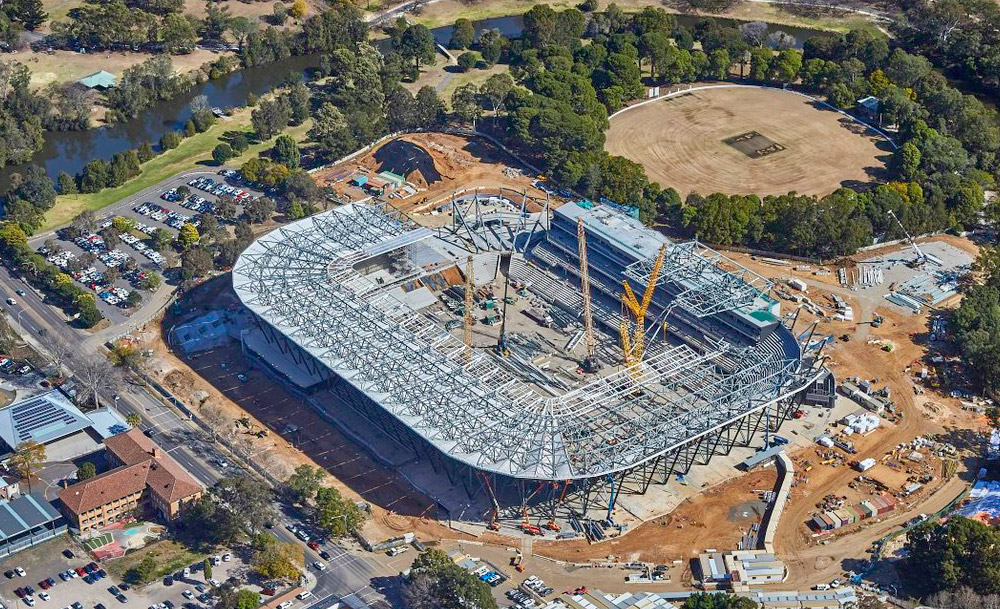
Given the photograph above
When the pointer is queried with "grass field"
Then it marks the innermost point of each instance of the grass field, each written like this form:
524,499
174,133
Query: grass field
170,556
680,143
445,12
192,152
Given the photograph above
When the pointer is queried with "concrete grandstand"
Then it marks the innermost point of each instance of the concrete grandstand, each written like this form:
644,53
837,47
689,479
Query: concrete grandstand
364,297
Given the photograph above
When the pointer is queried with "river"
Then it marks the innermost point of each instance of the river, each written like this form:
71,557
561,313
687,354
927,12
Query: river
69,151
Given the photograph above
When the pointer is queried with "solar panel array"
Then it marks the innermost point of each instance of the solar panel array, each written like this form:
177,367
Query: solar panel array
35,414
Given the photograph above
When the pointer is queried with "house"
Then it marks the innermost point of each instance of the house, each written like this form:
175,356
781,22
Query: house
100,80
143,479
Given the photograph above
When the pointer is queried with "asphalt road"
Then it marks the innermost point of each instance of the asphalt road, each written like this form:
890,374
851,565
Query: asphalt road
346,572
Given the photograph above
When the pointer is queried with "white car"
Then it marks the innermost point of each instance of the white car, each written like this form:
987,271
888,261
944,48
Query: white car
304,595
319,566
29,601
187,594
285,605
214,583
44,596
227,557
12,302
20,572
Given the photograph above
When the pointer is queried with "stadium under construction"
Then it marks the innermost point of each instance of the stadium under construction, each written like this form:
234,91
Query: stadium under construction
547,362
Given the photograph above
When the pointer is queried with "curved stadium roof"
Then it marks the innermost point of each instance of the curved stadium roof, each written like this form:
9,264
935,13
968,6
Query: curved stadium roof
301,279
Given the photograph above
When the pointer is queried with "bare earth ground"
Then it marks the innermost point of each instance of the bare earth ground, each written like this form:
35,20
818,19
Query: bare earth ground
715,518
446,163
680,143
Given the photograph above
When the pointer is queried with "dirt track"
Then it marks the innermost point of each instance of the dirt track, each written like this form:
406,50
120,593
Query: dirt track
680,143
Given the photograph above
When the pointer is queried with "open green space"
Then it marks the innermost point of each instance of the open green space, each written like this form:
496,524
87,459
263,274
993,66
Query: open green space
169,555
191,153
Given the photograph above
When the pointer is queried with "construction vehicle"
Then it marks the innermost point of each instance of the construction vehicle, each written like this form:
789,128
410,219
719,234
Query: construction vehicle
552,525
590,362
530,529
634,338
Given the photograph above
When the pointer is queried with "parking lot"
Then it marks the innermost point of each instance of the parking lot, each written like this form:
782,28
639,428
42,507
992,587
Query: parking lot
175,202
59,575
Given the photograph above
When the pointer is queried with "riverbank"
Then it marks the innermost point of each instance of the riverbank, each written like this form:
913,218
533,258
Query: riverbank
193,152
442,13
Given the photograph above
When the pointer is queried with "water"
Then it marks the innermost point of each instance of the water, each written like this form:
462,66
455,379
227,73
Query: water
69,151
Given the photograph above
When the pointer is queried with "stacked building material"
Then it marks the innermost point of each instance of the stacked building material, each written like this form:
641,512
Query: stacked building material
834,519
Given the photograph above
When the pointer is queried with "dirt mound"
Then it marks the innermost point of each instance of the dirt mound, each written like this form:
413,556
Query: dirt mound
417,179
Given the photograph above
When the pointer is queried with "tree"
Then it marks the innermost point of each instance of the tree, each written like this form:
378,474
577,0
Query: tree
464,34
67,183
196,262
207,568
170,140
465,103
225,208
335,514
279,560
96,376
304,483
467,61
495,90
704,600
436,582
958,553
133,419
259,211
417,44
331,133
222,153
429,107
143,572
217,18
299,9
248,501
187,235
162,238
86,306
270,117
286,151
86,471
28,459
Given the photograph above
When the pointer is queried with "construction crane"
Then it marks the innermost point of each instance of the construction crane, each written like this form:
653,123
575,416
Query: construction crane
634,341
590,363
921,258
469,303
502,349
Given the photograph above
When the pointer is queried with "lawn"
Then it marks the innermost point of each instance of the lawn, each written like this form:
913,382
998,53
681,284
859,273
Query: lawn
192,152
170,557
445,12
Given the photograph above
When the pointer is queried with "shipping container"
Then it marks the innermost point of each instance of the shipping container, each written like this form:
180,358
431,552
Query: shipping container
869,509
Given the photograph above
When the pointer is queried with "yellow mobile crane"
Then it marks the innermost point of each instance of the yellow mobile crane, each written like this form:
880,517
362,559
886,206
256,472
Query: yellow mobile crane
634,342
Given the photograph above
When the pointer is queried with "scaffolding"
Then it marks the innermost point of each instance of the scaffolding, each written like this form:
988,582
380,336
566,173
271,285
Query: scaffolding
628,429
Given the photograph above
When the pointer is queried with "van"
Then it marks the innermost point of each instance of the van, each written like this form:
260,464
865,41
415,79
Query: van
821,587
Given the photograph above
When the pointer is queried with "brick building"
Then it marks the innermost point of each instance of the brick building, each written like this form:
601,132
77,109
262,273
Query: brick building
143,480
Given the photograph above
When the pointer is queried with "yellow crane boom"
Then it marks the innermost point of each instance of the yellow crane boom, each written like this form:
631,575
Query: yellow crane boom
635,346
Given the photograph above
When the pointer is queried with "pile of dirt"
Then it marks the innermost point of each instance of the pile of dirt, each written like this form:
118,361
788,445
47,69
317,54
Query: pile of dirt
416,178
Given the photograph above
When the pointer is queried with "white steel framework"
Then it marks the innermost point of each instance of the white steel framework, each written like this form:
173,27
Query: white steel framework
302,281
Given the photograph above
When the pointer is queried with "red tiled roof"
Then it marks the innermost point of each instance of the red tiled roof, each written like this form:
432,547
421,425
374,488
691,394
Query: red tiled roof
145,465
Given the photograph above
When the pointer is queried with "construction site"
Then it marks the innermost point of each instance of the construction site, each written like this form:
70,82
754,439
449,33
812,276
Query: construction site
531,369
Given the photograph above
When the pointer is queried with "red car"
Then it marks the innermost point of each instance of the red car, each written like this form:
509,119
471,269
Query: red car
313,545
44,585
80,571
